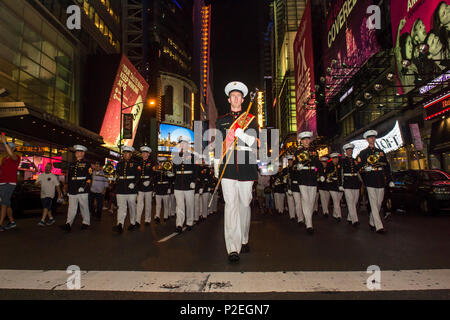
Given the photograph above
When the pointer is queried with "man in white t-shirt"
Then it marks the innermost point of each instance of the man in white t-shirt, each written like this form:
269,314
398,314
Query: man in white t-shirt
49,182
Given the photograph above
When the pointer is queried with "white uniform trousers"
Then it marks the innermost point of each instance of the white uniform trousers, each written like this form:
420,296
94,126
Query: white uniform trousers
237,196
172,205
324,200
352,197
308,198
279,201
83,201
316,202
298,207
205,201
185,207
144,199
291,205
198,204
213,207
376,196
160,200
336,196
124,202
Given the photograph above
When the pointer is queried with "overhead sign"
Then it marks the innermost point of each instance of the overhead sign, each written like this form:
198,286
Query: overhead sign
390,142
304,74
437,107
134,94
433,84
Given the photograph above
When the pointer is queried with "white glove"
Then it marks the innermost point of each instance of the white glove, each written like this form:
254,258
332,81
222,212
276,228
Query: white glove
192,185
146,183
131,186
153,194
200,191
341,188
247,139
322,179
216,168
391,184
81,189
169,191
170,174
290,192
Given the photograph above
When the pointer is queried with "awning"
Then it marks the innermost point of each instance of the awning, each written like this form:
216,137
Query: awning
440,136
28,123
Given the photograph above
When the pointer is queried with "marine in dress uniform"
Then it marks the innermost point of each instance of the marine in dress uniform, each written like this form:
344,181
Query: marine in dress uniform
333,181
172,200
349,182
324,189
185,176
145,187
307,162
205,183
198,203
289,192
294,179
162,189
127,189
79,180
279,189
376,174
241,171
212,185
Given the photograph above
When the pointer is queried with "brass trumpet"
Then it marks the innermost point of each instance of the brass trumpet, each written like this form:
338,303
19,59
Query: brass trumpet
331,175
110,171
373,159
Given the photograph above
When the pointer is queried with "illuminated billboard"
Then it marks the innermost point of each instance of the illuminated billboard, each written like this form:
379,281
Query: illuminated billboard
168,137
348,42
304,74
420,34
134,95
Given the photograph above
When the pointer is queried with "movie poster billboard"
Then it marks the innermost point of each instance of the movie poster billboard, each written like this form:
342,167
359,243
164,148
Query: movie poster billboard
134,95
349,42
420,31
304,74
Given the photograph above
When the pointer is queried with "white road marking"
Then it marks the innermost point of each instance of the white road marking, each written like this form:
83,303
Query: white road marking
170,237
226,282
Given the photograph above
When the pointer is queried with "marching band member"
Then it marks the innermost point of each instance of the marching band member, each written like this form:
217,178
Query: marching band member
79,180
145,188
324,189
376,174
332,178
307,162
350,183
185,176
212,186
162,188
198,193
205,184
172,200
279,190
294,177
127,177
240,175
289,187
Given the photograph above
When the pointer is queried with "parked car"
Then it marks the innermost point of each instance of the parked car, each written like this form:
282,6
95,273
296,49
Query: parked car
426,190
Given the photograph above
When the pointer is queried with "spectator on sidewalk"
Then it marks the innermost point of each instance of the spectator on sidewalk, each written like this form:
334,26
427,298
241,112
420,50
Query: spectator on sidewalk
98,190
8,180
49,183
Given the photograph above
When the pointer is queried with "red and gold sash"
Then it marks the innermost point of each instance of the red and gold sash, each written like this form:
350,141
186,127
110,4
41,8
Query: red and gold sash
238,123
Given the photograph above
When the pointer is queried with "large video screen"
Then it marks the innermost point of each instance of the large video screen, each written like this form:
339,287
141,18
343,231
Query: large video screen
420,31
168,137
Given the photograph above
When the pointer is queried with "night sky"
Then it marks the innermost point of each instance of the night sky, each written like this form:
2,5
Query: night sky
235,51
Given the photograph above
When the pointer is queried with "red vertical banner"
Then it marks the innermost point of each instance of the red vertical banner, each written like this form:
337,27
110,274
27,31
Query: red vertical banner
304,74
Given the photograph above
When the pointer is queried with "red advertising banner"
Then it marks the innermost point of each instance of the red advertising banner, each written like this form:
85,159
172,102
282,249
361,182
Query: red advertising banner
348,42
304,74
415,24
135,90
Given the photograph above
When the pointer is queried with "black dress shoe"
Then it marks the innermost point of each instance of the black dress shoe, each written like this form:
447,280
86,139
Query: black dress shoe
165,220
147,224
381,231
118,228
157,220
138,225
314,213
233,257
66,227
349,222
356,224
245,248
131,227
301,223
293,219
325,215
372,228
310,230
84,226
337,219
189,228
179,230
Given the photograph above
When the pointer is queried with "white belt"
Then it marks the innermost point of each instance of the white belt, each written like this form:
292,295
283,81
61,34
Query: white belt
127,178
243,148
163,182
146,177
350,174
185,172
305,168
294,181
79,178
368,169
